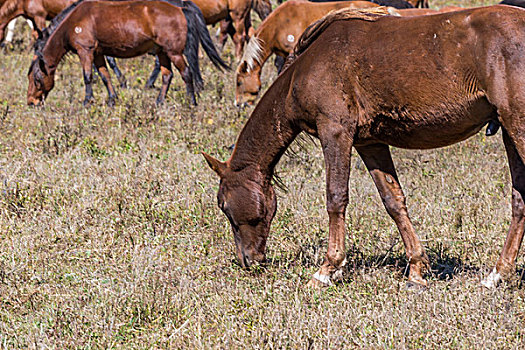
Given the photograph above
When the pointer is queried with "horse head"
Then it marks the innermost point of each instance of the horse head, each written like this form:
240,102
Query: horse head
248,74
41,81
248,84
248,200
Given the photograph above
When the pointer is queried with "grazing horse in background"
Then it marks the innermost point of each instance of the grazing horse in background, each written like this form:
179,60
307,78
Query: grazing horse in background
278,35
169,29
37,12
372,96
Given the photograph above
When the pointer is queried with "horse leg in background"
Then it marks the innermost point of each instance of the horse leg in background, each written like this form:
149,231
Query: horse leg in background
10,31
86,60
113,65
336,141
167,75
184,70
379,163
242,23
507,260
225,28
150,84
39,25
279,63
100,63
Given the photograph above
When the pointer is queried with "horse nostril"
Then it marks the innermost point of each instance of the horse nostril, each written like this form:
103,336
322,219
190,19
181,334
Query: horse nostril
246,260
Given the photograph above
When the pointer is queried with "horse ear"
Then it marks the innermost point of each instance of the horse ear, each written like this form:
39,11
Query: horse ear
243,67
216,165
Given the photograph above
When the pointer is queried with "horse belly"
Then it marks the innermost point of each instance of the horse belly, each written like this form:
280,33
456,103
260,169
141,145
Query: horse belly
424,131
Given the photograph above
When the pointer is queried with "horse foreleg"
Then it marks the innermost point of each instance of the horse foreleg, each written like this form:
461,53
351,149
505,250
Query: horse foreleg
337,146
100,63
507,260
184,70
167,75
226,29
39,25
113,65
150,84
241,22
379,163
86,60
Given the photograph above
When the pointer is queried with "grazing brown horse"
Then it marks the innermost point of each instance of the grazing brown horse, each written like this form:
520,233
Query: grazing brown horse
38,11
137,27
278,34
375,95
270,38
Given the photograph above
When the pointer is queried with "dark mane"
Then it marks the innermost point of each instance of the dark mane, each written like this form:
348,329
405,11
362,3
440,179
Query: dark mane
55,22
315,29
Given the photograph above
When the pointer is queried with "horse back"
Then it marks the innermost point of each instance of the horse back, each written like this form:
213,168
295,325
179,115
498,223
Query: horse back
138,24
402,76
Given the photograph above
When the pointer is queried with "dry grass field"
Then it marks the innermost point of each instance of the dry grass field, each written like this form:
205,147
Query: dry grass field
110,236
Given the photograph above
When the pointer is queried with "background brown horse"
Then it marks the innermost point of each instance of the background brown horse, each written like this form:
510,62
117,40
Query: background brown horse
373,96
170,31
278,35
38,11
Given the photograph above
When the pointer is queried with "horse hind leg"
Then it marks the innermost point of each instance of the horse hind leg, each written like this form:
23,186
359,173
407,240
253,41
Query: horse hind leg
184,70
379,163
113,65
100,64
507,260
150,84
167,75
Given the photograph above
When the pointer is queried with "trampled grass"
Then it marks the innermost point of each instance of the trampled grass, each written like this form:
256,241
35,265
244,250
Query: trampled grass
110,236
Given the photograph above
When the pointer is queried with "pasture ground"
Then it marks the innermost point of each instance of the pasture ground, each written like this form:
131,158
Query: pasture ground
110,236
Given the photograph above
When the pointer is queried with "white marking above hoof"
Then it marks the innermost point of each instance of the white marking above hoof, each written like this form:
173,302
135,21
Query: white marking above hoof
322,278
492,280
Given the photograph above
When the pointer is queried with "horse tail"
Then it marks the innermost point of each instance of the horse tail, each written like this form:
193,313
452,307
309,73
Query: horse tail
191,50
262,7
8,8
198,26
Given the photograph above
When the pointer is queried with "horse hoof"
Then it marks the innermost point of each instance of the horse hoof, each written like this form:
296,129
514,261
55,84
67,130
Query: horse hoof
415,286
124,85
111,103
492,280
316,284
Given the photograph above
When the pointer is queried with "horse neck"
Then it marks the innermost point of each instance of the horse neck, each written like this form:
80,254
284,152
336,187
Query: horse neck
264,34
267,134
55,47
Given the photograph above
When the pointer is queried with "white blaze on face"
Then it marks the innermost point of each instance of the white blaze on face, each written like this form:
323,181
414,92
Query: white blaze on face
78,30
290,38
